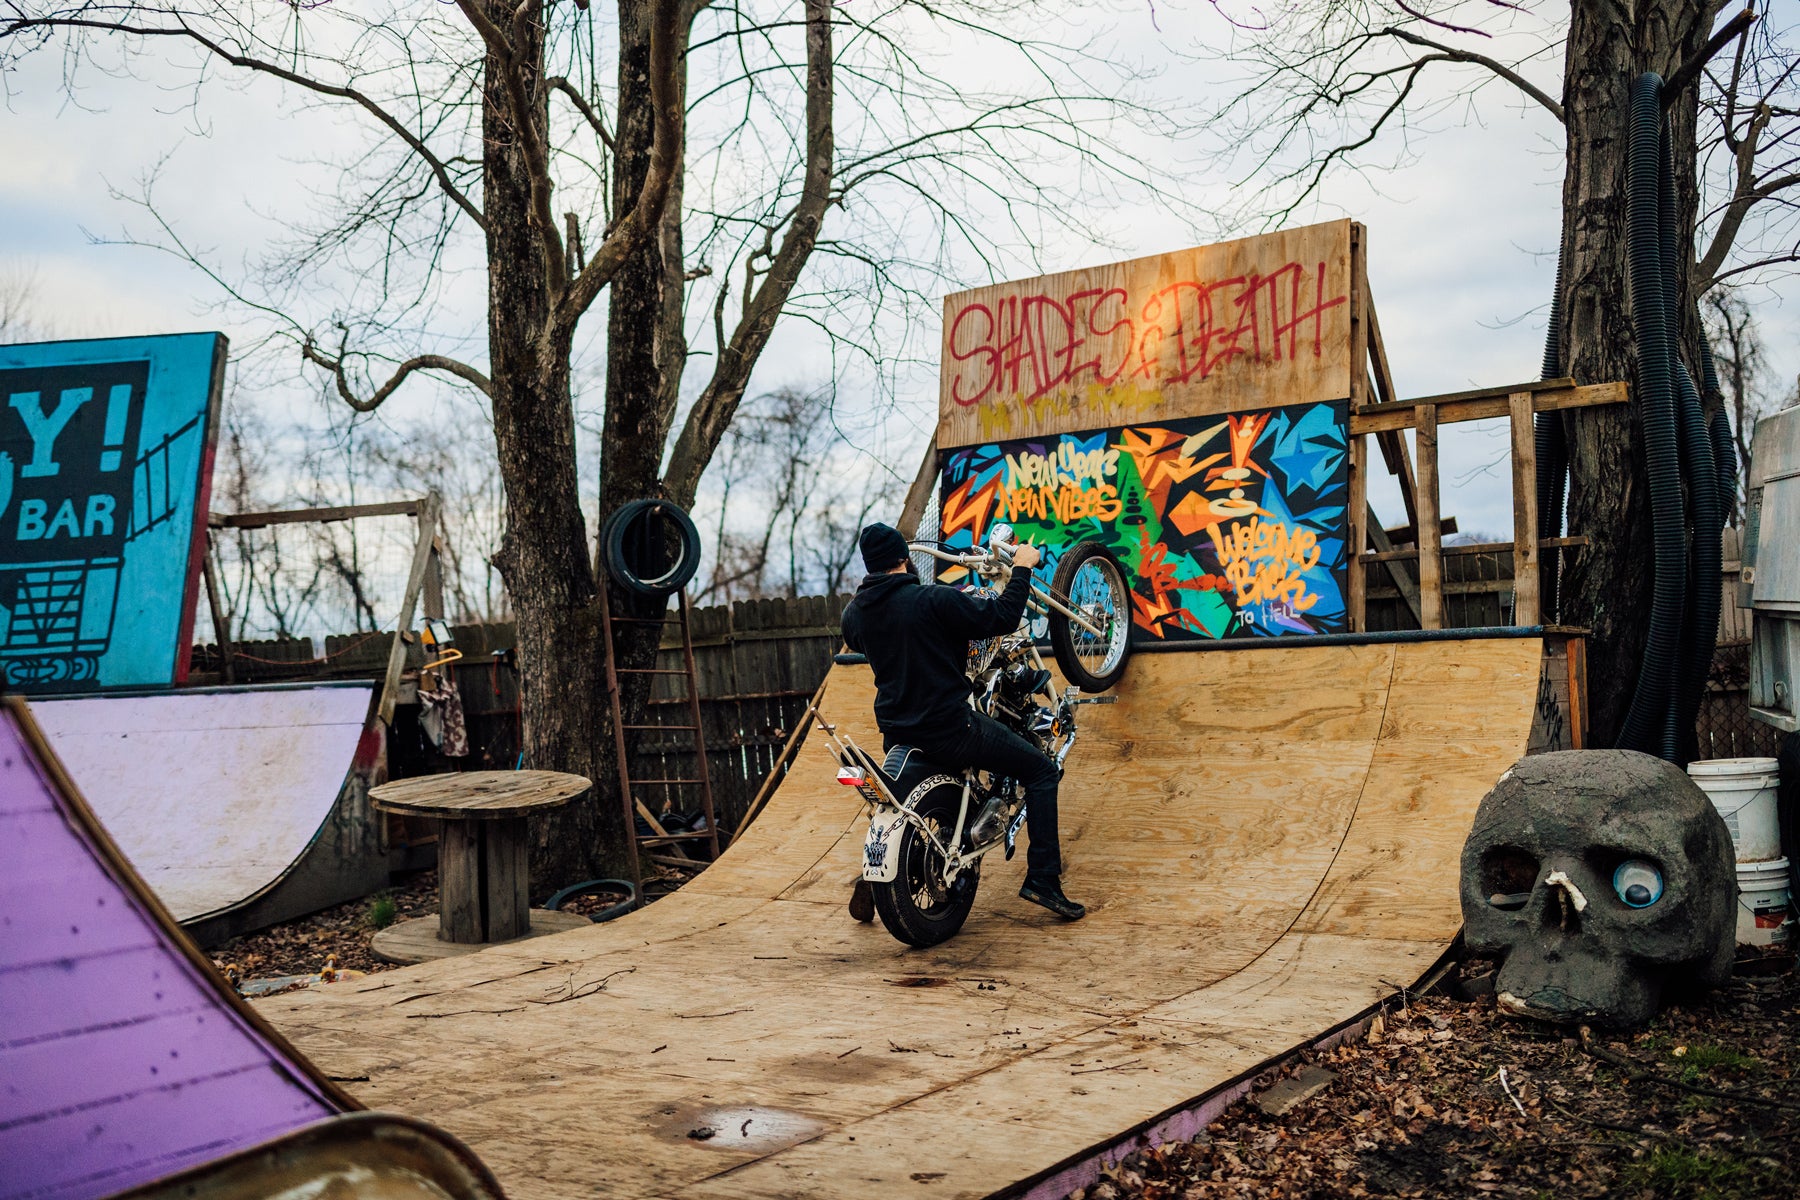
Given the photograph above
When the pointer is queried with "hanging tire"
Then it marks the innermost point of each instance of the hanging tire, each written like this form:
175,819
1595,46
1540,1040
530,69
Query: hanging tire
1089,578
650,547
918,907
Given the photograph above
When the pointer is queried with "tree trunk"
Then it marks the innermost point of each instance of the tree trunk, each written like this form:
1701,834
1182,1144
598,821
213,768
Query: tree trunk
646,350
1607,586
544,559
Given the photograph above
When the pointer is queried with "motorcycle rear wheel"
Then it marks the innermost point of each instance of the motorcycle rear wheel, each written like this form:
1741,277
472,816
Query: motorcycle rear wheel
1091,581
917,907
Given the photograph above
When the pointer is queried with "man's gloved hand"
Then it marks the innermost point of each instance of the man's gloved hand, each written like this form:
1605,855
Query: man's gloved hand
1027,555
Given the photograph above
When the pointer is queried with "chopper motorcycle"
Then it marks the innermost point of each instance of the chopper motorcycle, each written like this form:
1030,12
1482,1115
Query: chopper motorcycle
931,827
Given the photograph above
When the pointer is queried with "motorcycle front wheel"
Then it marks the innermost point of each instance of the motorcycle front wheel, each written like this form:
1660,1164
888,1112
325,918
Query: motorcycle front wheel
1089,579
918,907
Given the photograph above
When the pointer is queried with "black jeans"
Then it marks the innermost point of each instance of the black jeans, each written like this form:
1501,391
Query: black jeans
991,746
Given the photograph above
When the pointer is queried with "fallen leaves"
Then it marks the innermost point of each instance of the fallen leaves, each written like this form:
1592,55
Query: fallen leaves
1449,1098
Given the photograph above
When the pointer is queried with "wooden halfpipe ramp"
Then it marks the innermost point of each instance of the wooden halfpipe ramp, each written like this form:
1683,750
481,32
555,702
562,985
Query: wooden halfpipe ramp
1267,841
240,807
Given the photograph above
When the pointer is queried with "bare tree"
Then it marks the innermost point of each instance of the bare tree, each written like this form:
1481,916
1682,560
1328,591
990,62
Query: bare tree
21,313
494,122
1744,377
792,495
1346,85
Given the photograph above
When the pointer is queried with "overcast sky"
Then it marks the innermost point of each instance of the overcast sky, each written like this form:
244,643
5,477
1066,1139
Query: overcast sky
1461,241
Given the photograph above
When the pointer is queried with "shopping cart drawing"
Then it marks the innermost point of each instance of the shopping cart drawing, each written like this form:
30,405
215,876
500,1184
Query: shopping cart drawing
74,493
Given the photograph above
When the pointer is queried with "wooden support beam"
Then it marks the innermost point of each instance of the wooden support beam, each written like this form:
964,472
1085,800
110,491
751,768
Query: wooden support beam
1547,396
1406,535
221,626
918,496
1409,591
1526,609
1393,444
1356,599
300,516
433,601
1431,562
1356,452
409,603
1473,548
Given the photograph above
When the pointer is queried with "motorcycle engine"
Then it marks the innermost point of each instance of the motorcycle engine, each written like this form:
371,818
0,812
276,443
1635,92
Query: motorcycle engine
1020,684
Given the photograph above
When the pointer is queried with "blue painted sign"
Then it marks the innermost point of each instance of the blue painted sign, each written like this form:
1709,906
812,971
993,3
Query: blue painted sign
106,453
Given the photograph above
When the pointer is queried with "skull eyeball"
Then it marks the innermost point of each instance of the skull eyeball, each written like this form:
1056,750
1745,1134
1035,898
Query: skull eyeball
1603,880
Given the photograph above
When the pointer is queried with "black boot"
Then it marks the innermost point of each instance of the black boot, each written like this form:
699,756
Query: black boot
862,902
1048,892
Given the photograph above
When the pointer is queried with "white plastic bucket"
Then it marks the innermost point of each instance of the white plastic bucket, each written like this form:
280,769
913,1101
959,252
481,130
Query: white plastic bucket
1764,915
1743,790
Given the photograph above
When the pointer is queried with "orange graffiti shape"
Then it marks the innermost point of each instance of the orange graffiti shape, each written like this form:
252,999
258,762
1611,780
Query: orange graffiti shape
968,509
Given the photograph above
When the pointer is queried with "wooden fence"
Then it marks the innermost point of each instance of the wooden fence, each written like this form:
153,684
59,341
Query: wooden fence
758,663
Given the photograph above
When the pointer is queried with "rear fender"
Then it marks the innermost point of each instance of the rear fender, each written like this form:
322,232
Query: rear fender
881,847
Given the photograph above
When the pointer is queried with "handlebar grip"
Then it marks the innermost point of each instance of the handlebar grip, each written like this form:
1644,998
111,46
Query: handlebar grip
849,659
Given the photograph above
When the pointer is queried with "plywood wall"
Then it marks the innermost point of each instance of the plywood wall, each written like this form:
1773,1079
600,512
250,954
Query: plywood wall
1216,329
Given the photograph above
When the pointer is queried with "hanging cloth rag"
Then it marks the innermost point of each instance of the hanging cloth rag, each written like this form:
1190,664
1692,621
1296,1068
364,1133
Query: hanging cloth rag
441,717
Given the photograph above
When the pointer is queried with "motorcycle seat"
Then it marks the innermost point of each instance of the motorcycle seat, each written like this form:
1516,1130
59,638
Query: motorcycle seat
906,767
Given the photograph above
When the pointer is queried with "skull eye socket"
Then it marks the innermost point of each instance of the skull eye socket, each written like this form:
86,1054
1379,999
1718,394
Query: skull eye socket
1638,883
1507,876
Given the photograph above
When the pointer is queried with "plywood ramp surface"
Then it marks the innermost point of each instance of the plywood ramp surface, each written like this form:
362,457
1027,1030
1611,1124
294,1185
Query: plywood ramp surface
1265,840
211,794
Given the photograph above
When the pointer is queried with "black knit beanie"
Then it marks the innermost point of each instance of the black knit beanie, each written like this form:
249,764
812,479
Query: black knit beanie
883,548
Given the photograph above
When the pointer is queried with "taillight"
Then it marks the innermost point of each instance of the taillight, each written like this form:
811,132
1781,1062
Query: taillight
852,777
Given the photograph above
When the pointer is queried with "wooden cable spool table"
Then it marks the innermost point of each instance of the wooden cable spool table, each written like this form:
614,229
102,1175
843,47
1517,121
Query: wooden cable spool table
484,875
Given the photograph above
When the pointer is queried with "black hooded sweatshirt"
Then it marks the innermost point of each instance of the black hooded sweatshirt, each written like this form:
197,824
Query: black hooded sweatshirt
916,637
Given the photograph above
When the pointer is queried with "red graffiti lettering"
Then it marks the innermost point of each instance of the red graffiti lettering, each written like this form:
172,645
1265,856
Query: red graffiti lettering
1027,345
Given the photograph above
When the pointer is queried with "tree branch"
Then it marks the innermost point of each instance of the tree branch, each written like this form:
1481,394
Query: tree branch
423,362
630,230
438,168
1690,70
1499,68
503,48
718,403
561,84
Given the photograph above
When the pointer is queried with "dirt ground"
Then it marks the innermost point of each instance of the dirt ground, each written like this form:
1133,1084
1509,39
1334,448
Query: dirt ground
303,947
1449,1098
1445,1098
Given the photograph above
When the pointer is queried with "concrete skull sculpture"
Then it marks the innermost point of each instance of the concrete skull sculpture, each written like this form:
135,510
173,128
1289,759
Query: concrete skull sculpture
1603,879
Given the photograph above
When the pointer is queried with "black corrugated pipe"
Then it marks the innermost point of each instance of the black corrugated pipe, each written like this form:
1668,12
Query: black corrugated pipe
1648,725
1552,454
1725,459
1702,627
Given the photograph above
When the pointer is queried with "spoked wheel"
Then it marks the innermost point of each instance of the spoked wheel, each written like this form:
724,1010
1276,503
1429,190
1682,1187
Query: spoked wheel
1092,583
918,907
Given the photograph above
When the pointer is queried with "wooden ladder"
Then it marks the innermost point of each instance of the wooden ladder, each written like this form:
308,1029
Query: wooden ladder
643,847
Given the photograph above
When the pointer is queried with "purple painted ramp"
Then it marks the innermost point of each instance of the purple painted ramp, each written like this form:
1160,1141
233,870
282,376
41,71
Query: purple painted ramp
122,1059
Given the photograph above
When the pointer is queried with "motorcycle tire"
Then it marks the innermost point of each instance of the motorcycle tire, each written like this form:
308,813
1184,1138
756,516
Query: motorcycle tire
650,547
1090,578
916,907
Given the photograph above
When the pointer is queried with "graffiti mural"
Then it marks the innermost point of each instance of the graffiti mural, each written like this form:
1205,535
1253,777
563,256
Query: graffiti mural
105,450
1230,526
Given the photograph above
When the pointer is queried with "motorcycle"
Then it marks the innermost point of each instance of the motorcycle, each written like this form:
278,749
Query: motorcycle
930,828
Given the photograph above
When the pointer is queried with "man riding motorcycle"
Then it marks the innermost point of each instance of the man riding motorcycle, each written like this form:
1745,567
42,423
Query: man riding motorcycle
916,638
